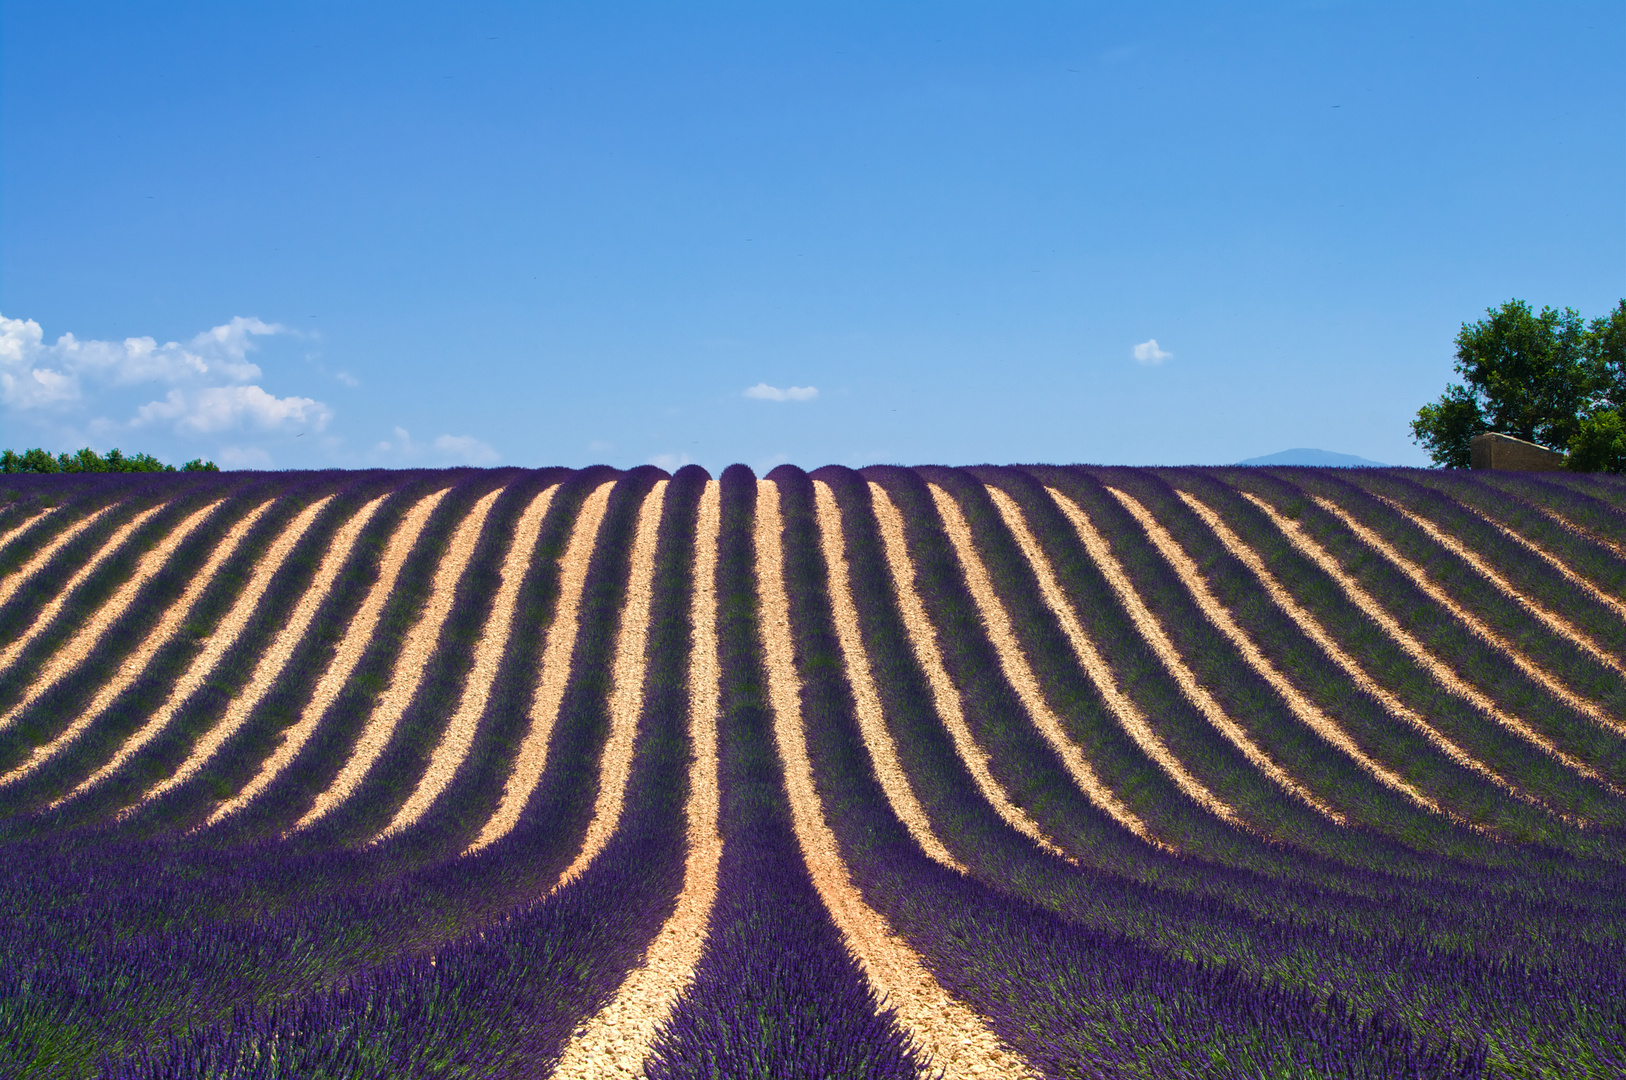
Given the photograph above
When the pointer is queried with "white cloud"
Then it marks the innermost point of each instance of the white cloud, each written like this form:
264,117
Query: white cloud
347,378
791,393
670,462
444,449
467,449
1147,352
243,457
227,408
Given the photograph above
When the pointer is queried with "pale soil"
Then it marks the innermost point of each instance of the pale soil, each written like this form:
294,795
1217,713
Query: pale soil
1554,622
225,635
277,654
1306,711
1128,715
1591,709
405,679
883,751
348,653
1152,631
1438,669
9,654
616,1040
1614,603
78,646
956,1039
1351,667
73,652
923,640
626,687
25,573
16,531
488,651
1019,673
554,671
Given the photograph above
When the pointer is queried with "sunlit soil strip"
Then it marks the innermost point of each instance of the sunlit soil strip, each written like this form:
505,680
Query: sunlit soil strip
1152,631
620,1034
410,664
16,531
923,640
283,643
883,751
1557,624
626,688
68,655
554,676
1307,712
226,633
1441,672
459,735
26,572
1351,667
1420,578
1613,602
1019,673
8,656
1123,709
357,636
131,668
956,1038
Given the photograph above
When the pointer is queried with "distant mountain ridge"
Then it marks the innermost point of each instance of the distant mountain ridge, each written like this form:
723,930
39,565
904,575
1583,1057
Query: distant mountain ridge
1304,455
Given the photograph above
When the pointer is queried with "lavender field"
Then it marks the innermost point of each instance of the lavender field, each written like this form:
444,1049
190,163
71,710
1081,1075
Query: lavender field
997,771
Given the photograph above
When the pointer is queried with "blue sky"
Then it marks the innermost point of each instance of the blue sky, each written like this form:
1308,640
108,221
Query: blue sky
420,234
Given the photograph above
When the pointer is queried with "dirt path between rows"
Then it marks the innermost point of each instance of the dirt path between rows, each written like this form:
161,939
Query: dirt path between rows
1304,710
1441,671
626,687
1124,710
73,651
277,654
488,652
410,664
883,752
1019,673
554,671
17,531
617,1040
357,636
1588,708
226,633
957,1039
25,573
1152,631
1351,667
66,659
923,640
9,654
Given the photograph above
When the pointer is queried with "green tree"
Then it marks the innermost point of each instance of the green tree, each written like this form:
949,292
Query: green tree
1599,444
1526,375
87,460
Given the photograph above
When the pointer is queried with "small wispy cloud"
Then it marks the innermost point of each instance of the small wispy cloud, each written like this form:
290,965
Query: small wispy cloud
446,449
670,462
763,392
1147,352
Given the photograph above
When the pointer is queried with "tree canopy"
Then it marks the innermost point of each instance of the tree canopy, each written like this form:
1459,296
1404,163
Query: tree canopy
1549,378
87,460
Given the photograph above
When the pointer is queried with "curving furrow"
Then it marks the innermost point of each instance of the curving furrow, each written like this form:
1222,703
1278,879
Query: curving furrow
955,1038
72,654
16,579
454,744
621,1035
109,548
352,645
1152,630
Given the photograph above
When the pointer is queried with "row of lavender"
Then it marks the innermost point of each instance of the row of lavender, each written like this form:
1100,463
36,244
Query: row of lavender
1401,946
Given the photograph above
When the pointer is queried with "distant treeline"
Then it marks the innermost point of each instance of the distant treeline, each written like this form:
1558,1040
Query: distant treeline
88,460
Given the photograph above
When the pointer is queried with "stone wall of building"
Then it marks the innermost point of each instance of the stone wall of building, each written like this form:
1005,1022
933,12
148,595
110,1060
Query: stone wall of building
1495,451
